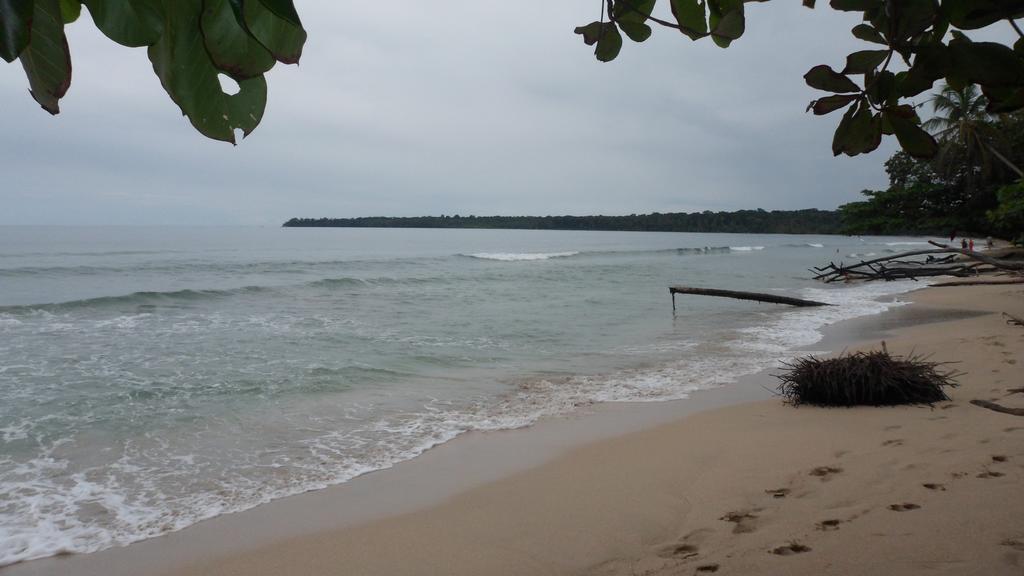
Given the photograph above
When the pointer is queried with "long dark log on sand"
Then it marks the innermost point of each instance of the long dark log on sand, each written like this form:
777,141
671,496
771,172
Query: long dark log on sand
756,296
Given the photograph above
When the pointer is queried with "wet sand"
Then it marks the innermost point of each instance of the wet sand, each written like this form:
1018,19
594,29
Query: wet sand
706,485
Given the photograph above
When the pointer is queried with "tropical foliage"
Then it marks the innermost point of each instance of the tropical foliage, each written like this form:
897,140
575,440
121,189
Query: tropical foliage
190,44
962,188
875,97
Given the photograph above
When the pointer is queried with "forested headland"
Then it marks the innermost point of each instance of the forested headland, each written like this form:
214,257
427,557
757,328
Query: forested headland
809,221
973,186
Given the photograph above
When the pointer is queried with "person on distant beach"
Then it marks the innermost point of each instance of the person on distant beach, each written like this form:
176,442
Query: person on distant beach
963,243
952,235
989,244
970,245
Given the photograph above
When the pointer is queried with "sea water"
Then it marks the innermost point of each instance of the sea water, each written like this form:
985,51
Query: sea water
151,378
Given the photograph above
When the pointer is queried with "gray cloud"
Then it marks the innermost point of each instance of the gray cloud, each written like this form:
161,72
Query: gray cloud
407,108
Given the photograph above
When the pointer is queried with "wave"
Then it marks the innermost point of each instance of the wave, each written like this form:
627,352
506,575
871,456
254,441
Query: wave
915,243
138,299
745,248
520,256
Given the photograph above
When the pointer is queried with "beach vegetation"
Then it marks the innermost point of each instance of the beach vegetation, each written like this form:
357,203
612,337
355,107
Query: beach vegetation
190,43
910,46
873,378
957,191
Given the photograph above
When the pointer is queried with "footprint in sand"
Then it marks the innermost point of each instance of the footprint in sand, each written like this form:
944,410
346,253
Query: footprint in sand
894,427
745,521
999,458
825,472
707,568
793,547
991,474
934,486
906,506
829,525
1013,543
683,551
778,492
894,442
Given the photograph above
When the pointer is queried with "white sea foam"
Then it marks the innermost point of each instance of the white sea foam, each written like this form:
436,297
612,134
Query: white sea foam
745,248
520,256
915,243
815,245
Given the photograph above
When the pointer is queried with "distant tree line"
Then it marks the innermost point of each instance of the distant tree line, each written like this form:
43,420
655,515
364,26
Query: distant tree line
810,221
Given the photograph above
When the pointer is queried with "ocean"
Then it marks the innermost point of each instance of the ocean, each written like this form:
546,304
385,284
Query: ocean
151,378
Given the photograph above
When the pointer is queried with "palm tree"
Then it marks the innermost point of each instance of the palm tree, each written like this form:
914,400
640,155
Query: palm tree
961,121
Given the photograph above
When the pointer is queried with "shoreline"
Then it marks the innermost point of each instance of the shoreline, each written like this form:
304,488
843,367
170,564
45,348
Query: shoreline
474,462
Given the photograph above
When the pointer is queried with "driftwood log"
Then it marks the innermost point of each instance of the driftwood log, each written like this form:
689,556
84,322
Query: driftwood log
1011,319
998,407
756,296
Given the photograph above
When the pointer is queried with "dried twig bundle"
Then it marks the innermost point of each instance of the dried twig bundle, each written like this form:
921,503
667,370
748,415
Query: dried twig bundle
865,379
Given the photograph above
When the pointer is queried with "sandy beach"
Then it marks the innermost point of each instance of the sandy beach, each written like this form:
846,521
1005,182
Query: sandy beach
752,488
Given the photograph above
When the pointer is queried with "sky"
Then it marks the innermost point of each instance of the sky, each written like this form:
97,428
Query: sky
405,108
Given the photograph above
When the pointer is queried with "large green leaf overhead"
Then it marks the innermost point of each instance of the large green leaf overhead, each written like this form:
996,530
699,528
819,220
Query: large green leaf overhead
15,16
46,59
188,74
190,44
923,40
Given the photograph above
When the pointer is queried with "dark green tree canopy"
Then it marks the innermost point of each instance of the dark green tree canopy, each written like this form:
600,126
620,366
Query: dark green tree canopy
927,36
189,42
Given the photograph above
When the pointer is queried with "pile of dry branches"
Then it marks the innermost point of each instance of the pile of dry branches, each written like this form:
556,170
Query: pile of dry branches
865,379
898,267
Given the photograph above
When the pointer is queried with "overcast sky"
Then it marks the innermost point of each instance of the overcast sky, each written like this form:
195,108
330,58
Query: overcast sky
408,108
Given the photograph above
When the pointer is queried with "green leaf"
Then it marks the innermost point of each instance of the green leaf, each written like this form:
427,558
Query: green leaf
47,60
285,9
858,132
130,23
70,10
864,61
692,17
637,32
181,62
591,33
825,78
726,21
854,5
986,63
1003,100
930,63
830,104
633,11
15,19
974,14
281,37
881,87
913,139
913,17
609,43
231,47
868,33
